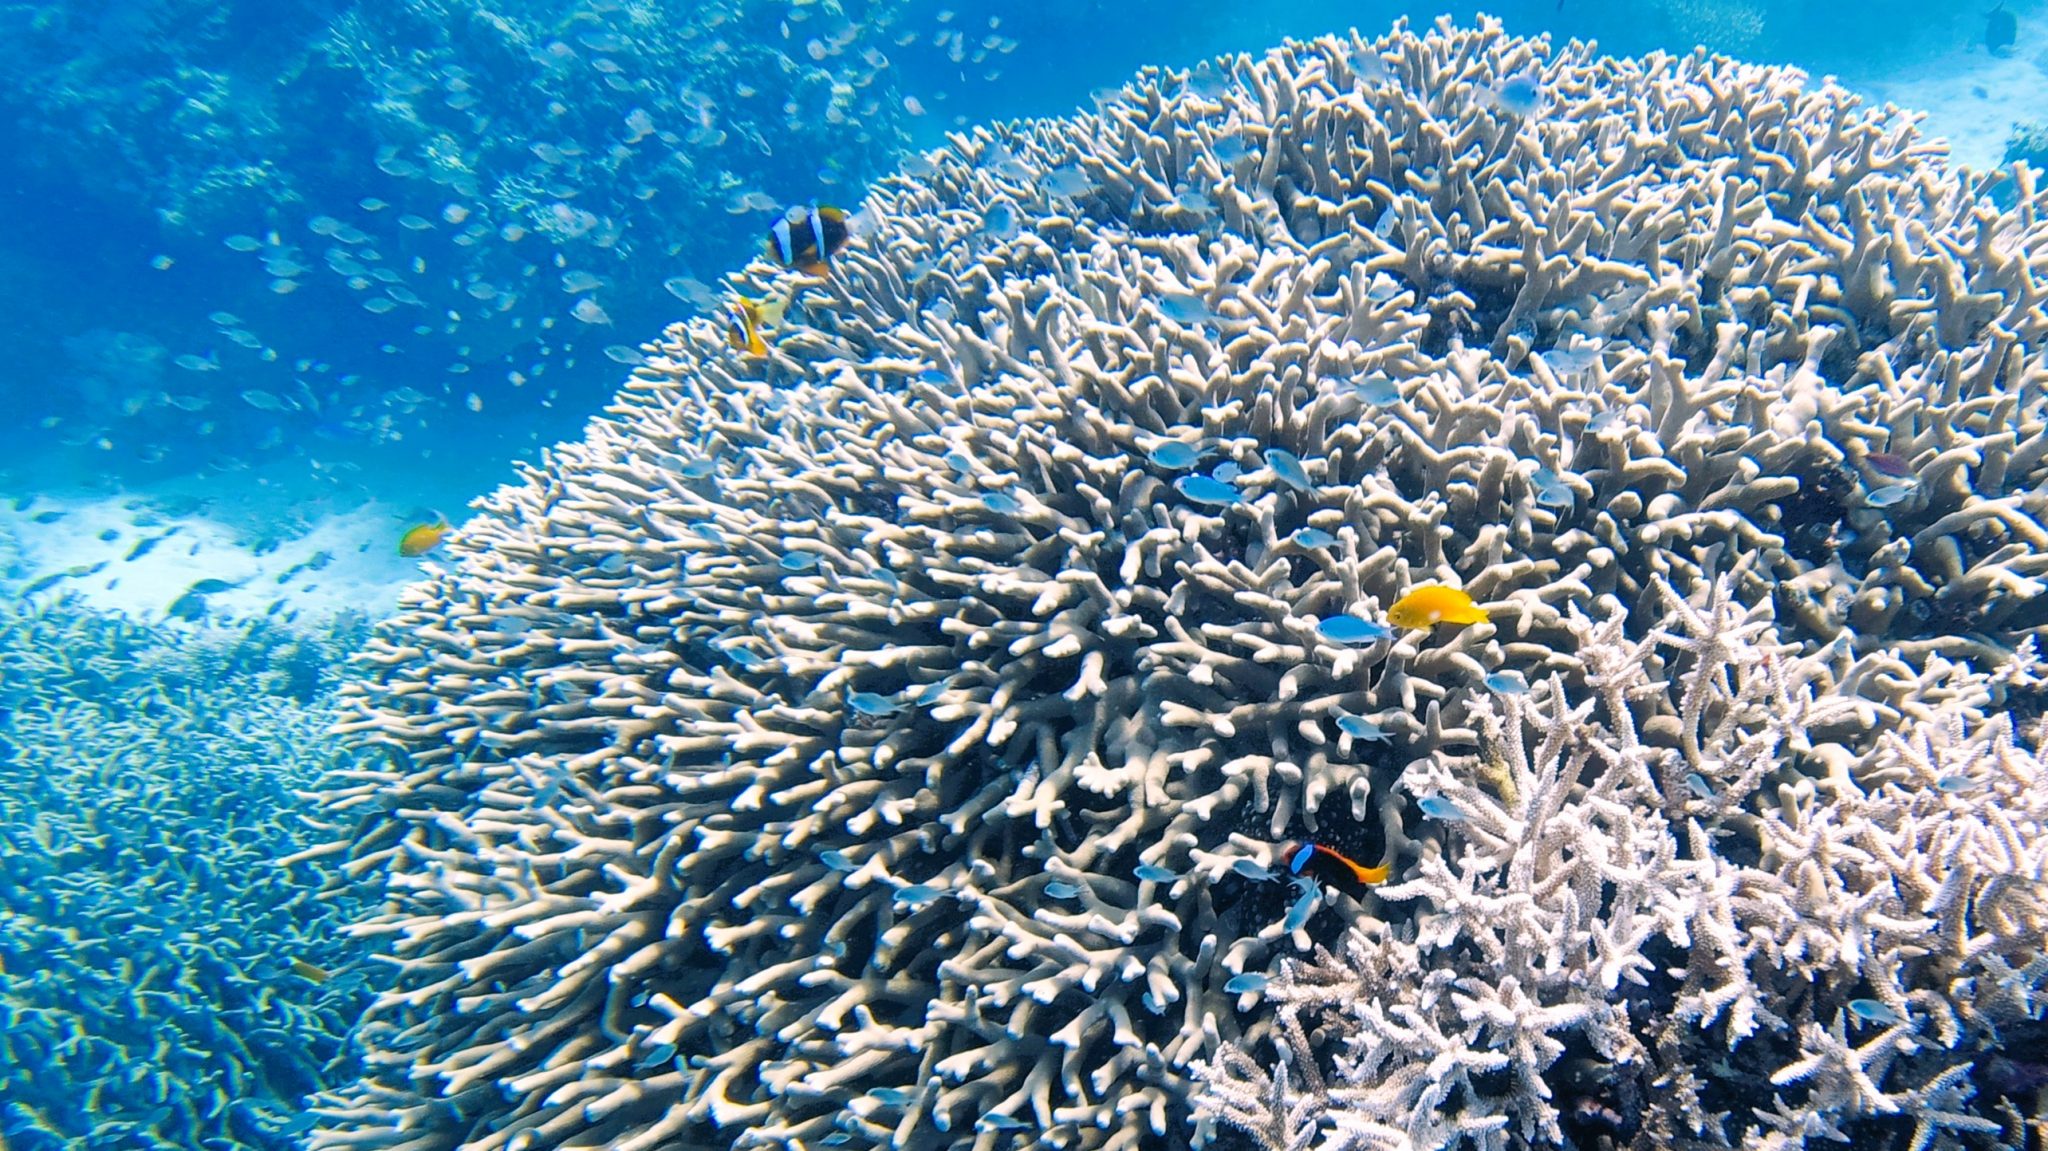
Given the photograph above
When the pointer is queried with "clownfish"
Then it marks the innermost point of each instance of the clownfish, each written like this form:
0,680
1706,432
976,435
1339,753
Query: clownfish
806,238
1428,606
747,321
420,539
1304,855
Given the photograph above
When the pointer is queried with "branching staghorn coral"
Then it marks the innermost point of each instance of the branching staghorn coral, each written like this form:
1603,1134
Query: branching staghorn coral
881,742
1681,905
148,932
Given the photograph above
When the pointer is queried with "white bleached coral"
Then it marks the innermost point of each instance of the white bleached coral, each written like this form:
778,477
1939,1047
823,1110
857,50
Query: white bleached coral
1682,918
877,743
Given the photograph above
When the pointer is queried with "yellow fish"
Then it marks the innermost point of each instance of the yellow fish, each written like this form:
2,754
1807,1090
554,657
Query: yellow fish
747,321
310,973
1425,607
420,539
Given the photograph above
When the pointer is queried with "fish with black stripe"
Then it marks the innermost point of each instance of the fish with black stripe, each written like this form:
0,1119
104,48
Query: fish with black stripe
807,237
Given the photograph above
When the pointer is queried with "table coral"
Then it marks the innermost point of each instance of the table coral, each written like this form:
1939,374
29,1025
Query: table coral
888,740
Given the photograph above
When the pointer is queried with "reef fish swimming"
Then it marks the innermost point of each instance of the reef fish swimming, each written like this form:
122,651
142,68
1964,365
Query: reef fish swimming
2001,30
806,238
1433,604
420,539
747,322
1305,855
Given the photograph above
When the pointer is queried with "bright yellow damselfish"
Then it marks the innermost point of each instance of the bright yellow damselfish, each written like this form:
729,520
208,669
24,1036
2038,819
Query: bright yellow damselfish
1434,604
420,539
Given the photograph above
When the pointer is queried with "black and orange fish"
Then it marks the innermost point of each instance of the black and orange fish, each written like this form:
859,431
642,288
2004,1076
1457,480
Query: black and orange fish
747,322
1302,856
806,238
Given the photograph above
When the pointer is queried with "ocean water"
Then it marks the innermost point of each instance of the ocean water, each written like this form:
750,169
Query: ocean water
858,573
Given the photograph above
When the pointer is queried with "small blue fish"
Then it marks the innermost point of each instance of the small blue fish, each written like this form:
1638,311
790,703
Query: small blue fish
894,1096
1313,538
1287,466
1062,890
1349,629
1227,471
1153,873
1305,905
698,469
1359,727
1507,683
996,1121
1208,491
1184,308
1175,455
1888,495
837,1139
1251,869
885,576
1437,807
933,692
999,222
1555,496
1957,784
1518,95
1378,390
1002,503
745,657
837,861
1570,361
799,561
708,532
1229,150
1874,1011
958,460
935,377
917,894
1698,785
868,703
1249,981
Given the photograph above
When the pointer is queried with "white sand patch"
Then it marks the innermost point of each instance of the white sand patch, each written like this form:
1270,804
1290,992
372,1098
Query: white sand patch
344,562
1971,97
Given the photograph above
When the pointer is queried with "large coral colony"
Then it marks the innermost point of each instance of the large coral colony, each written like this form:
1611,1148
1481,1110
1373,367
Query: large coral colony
921,734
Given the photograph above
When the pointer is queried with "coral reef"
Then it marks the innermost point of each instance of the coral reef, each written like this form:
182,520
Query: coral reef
148,932
2027,142
1680,882
891,740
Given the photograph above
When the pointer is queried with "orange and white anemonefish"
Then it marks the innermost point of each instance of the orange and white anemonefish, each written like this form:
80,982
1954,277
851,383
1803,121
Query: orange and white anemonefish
806,238
1301,857
747,322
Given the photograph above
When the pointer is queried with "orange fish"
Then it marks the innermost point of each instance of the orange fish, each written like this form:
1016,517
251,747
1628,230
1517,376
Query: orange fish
747,322
420,539
1308,853
807,238
1425,607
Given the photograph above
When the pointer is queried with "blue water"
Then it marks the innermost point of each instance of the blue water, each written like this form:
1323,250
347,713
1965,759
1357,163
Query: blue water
288,279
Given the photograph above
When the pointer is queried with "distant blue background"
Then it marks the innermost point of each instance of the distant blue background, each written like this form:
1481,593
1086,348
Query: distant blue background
130,131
